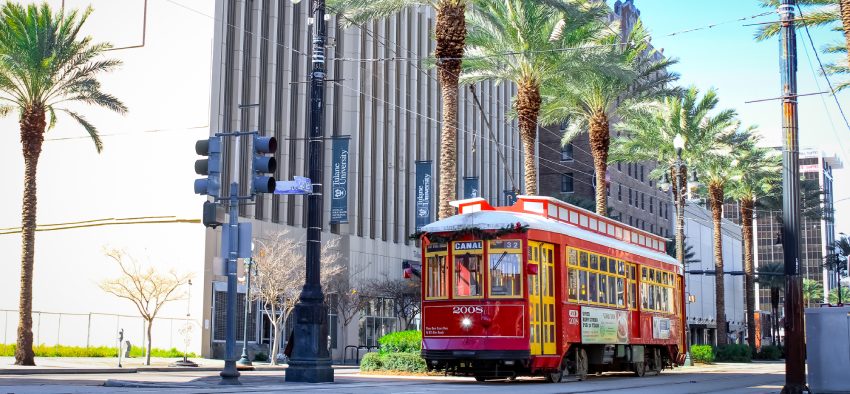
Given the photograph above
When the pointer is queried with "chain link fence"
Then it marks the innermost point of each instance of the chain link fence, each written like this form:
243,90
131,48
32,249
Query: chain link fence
99,329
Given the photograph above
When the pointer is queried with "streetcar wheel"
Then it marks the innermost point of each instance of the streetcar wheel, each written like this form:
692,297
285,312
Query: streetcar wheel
480,379
639,369
657,363
581,364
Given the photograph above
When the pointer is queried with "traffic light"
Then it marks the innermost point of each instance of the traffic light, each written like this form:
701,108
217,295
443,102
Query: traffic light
211,166
262,165
210,215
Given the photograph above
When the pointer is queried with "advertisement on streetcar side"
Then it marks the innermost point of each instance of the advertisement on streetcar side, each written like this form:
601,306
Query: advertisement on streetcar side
604,326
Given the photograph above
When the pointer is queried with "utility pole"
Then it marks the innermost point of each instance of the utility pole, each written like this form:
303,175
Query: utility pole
310,361
795,364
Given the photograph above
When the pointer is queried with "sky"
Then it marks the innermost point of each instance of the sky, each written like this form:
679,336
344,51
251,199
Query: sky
726,57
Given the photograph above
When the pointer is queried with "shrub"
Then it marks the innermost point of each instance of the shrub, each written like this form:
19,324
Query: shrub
734,353
401,341
98,351
702,354
371,362
405,362
768,352
260,356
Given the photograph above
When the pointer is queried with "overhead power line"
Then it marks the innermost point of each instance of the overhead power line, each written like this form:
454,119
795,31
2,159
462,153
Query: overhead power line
102,222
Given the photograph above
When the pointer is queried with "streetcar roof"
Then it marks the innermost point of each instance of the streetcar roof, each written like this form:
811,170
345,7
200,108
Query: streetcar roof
497,219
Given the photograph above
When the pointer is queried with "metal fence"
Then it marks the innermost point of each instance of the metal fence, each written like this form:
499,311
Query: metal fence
99,329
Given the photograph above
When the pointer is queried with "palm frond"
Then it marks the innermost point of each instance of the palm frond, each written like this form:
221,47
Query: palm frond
90,129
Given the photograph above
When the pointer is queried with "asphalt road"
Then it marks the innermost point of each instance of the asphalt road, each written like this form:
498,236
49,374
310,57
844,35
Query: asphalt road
725,378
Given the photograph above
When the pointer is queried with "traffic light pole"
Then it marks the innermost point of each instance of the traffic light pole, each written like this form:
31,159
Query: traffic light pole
795,364
229,375
310,360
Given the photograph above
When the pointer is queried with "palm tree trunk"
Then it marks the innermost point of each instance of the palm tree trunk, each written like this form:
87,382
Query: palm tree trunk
774,306
32,125
749,287
844,6
528,108
450,35
600,141
715,192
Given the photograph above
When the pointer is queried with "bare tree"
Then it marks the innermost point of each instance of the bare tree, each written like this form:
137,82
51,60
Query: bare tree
348,301
280,277
147,288
405,293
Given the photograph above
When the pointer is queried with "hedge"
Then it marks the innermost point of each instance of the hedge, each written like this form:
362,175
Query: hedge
734,353
768,352
403,362
702,354
99,351
401,342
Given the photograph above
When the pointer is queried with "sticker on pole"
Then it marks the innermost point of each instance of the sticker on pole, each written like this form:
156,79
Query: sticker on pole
299,185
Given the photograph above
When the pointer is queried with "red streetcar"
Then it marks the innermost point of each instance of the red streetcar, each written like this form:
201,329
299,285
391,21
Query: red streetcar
544,288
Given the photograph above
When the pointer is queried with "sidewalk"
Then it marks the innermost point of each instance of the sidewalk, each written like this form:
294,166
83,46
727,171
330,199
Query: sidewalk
79,365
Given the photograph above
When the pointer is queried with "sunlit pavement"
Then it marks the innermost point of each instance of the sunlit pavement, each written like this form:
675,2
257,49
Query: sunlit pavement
725,378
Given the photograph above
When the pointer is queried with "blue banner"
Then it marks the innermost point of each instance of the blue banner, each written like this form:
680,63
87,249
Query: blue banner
470,187
510,197
339,180
423,193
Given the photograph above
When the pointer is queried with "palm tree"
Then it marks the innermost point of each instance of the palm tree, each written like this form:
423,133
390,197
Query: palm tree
772,276
717,170
833,13
647,134
758,176
450,35
45,64
812,292
518,41
837,261
588,102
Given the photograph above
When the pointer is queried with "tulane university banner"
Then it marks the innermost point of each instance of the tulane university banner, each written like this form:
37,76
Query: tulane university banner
470,187
423,193
339,180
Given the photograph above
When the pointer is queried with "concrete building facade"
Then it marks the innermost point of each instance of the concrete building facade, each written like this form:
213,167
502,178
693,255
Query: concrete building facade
700,278
390,108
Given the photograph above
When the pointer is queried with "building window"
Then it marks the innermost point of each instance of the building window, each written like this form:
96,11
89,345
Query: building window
619,167
630,197
567,182
630,169
377,319
651,203
630,221
608,188
641,173
620,192
642,201
567,152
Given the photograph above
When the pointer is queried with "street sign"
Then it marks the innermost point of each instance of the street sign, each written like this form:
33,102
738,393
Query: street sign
300,185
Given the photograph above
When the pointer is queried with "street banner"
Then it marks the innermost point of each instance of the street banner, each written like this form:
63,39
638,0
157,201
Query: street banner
470,187
339,180
510,197
423,193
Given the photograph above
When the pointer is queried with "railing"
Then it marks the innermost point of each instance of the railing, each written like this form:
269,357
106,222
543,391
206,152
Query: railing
356,352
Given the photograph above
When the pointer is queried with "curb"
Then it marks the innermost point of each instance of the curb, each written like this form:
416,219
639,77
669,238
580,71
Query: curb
71,371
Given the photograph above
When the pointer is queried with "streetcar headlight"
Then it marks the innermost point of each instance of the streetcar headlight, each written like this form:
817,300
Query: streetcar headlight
466,322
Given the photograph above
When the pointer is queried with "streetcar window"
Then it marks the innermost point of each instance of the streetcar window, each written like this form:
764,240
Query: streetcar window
582,295
573,257
583,259
603,289
436,277
594,262
621,295
573,284
633,295
505,274
621,268
593,287
612,291
468,275
603,263
612,266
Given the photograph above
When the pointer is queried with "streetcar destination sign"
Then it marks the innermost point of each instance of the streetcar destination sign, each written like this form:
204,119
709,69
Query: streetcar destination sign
471,245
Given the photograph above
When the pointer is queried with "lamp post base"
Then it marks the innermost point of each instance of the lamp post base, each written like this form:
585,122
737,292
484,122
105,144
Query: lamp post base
688,362
229,376
310,371
184,363
310,361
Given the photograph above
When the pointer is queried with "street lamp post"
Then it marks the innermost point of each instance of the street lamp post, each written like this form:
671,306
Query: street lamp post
310,360
185,362
244,362
678,195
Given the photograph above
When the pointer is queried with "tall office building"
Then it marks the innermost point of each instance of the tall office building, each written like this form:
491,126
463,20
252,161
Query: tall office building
567,172
381,93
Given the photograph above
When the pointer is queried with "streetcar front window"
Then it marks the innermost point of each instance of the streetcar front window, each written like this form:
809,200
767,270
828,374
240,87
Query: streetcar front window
436,277
505,274
468,275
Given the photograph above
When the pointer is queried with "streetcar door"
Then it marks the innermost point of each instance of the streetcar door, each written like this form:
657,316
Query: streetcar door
541,298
